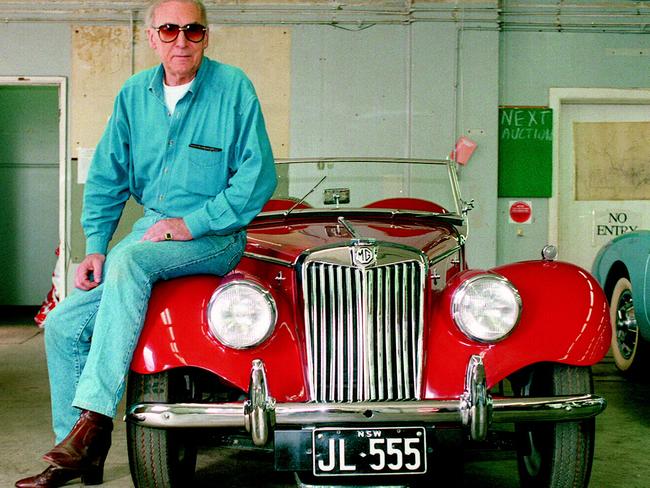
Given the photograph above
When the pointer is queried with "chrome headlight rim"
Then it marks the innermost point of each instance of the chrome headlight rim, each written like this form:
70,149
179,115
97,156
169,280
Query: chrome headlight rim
262,291
462,290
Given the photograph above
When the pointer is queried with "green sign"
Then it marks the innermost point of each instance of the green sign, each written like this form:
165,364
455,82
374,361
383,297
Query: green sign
525,151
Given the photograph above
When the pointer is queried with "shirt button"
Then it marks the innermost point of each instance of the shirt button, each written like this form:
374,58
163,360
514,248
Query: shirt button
171,142
166,170
161,197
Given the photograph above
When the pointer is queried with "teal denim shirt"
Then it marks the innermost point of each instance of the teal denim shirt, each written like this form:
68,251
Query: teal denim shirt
210,162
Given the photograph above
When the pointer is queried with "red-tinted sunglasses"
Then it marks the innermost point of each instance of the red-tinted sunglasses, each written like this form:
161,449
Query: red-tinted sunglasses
170,32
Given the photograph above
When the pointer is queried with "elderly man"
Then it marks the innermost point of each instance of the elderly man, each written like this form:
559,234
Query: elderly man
187,140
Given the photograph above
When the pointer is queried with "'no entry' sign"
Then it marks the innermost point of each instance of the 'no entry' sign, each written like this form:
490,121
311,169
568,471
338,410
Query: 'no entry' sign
521,212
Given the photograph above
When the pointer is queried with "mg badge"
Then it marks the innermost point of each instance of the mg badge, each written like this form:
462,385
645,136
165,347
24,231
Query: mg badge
364,256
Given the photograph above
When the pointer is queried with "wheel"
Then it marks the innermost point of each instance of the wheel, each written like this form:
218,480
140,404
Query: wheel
625,330
159,457
555,455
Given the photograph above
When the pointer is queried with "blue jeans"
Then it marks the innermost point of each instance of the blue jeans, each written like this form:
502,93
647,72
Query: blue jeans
91,335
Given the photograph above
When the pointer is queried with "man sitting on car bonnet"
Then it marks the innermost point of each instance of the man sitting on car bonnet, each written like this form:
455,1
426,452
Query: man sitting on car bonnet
187,140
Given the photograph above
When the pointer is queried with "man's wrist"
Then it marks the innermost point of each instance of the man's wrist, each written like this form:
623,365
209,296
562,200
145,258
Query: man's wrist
96,245
194,225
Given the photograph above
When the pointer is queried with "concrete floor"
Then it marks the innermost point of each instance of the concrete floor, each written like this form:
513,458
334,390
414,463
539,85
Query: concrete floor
621,457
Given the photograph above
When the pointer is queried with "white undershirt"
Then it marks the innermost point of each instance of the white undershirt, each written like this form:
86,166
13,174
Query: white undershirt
174,93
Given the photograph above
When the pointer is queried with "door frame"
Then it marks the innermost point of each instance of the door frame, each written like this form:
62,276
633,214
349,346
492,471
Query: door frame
585,96
61,83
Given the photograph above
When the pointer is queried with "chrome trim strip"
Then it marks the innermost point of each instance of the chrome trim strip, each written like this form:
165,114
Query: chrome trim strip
350,333
418,342
440,257
206,415
455,219
390,317
340,344
438,162
369,337
360,359
461,208
404,335
455,187
331,352
399,324
322,333
381,323
307,312
268,259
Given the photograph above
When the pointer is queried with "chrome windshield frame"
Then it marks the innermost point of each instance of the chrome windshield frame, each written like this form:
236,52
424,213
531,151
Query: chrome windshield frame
458,217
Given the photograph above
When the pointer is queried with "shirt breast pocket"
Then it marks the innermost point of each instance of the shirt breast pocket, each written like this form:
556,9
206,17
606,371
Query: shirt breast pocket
204,171
205,156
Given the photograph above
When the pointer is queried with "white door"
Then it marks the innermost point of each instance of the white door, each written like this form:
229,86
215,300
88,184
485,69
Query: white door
602,169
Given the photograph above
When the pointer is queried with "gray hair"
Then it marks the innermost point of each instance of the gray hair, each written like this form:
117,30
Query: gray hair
151,10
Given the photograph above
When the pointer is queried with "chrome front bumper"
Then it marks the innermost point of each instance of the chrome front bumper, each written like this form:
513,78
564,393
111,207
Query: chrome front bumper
475,410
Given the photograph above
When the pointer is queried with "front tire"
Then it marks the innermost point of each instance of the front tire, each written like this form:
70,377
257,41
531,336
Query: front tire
625,330
555,455
160,457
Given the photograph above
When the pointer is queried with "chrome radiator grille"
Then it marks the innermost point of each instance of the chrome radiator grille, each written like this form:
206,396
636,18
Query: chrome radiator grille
364,330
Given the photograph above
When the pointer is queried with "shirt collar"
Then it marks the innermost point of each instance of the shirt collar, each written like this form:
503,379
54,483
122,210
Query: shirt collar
156,84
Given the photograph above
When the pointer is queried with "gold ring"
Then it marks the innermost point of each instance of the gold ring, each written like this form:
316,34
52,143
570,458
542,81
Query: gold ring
168,236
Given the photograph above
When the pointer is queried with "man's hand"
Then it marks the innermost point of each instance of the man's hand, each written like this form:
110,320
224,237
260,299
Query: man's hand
168,230
92,264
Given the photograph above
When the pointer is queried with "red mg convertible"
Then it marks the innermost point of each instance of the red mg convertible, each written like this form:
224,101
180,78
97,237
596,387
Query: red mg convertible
354,341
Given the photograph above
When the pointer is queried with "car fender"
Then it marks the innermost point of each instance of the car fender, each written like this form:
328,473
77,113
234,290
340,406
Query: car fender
628,253
176,334
564,319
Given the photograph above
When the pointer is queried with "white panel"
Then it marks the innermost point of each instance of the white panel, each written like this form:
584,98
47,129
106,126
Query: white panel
34,49
349,91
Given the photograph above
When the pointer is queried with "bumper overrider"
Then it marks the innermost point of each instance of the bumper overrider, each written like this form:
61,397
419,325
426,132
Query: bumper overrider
475,410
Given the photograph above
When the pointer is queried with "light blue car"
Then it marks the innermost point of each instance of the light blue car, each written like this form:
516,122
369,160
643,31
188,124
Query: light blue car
622,267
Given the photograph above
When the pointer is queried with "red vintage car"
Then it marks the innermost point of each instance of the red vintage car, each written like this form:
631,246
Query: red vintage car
354,341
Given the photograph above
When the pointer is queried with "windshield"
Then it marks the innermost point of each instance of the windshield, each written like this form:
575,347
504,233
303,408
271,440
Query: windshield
355,183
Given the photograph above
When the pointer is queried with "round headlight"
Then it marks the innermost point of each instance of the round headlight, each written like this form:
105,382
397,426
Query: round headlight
241,314
486,307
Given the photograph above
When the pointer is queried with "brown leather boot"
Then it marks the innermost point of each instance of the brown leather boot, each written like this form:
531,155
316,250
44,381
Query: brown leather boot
54,477
86,446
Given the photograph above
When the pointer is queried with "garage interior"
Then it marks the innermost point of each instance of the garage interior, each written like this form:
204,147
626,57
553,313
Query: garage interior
408,79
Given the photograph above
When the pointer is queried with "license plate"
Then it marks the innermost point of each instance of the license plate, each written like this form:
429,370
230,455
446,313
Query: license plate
356,451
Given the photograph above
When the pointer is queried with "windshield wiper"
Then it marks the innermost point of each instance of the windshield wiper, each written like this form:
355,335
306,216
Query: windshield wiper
305,196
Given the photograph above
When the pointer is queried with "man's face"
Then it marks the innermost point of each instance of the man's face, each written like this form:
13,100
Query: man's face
180,58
